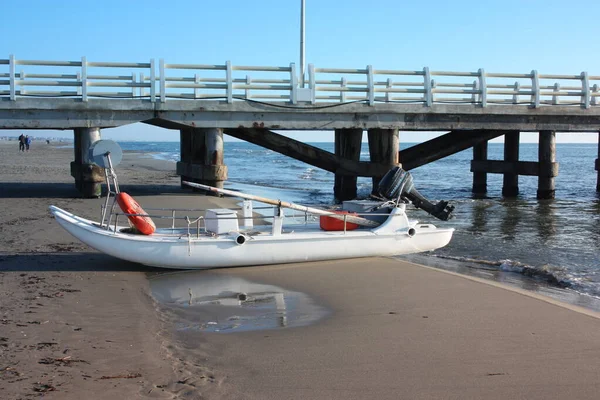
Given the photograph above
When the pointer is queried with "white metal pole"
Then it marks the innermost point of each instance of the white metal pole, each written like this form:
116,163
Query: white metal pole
302,63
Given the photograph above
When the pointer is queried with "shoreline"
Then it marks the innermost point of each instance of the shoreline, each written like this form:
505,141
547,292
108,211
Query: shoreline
76,322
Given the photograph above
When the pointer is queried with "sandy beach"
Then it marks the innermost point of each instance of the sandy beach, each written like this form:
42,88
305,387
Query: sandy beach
75,323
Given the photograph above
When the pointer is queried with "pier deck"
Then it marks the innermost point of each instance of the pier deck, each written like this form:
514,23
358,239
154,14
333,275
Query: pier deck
204,101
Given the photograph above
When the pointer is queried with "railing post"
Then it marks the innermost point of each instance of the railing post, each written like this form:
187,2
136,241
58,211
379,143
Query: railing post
516,94
162,80
84,94
343,92
311,82
152,81
535,88
196,82
585,92
21,79
594,99
133,85
143,82
482,87
229,82
248,82
79,81
293,84
387,94
427,86
556,91
475,94
11,73
370,84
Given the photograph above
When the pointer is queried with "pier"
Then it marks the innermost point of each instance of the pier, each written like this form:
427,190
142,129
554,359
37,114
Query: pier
253,103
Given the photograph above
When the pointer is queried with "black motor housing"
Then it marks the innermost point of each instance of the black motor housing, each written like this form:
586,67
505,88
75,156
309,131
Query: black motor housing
398,183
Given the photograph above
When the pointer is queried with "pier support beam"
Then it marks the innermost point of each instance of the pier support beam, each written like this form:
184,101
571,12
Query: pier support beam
202,156
383,149
347,145
480,153
598,166
546,158
510,186
88,177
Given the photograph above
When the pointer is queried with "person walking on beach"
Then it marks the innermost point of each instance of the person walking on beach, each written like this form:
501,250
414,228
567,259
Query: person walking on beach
27,142
21,143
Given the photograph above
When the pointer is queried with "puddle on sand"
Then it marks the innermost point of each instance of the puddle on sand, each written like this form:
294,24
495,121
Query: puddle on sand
209,302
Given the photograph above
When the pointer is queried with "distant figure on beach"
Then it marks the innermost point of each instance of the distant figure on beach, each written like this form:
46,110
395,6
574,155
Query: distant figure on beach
21,143
27,142
47,141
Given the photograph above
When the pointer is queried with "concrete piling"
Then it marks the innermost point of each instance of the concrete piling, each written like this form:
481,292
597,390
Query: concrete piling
88,177
202,156
384,145
347,145
510,183
546,158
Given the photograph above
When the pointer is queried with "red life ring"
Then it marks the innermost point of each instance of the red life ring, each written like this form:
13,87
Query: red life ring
144,224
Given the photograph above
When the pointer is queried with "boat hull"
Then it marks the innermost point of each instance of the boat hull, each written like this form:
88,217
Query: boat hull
203,252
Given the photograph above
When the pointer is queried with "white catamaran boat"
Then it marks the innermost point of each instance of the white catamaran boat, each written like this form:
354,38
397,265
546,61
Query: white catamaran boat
221,238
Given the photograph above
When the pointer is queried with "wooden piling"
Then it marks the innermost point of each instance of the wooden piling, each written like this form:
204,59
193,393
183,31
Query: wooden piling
88,177
347,145
480,153
510,186
384,145
546,158
215,173
201,154
191,152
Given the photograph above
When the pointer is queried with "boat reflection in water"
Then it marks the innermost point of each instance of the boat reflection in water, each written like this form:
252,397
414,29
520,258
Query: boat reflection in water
216,302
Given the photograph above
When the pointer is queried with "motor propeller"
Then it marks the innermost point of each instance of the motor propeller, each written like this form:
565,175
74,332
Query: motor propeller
398,183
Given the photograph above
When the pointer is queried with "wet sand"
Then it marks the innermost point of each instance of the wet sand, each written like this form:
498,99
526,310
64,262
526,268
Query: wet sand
400,330
78,324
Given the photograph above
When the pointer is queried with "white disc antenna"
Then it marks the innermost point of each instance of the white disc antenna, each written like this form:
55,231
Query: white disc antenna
101,149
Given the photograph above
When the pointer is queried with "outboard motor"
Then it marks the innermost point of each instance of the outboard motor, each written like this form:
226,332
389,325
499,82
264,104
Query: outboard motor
398,183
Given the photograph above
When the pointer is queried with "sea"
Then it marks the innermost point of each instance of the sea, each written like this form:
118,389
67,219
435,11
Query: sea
550,247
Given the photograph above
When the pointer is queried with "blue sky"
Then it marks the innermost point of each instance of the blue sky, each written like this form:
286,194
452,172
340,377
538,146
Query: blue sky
558,37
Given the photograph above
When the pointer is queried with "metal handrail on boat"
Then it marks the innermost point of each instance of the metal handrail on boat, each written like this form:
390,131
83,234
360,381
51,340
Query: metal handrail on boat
307,217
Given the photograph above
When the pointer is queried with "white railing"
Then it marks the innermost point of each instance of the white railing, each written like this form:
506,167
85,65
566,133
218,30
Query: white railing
157,82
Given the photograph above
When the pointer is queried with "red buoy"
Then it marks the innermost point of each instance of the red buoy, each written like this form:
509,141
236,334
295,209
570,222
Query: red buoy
328,223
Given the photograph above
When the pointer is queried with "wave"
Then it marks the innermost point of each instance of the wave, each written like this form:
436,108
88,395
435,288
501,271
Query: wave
556,276
168,156
308,174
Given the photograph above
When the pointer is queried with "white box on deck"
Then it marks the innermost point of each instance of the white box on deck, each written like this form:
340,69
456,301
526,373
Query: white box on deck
221,220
